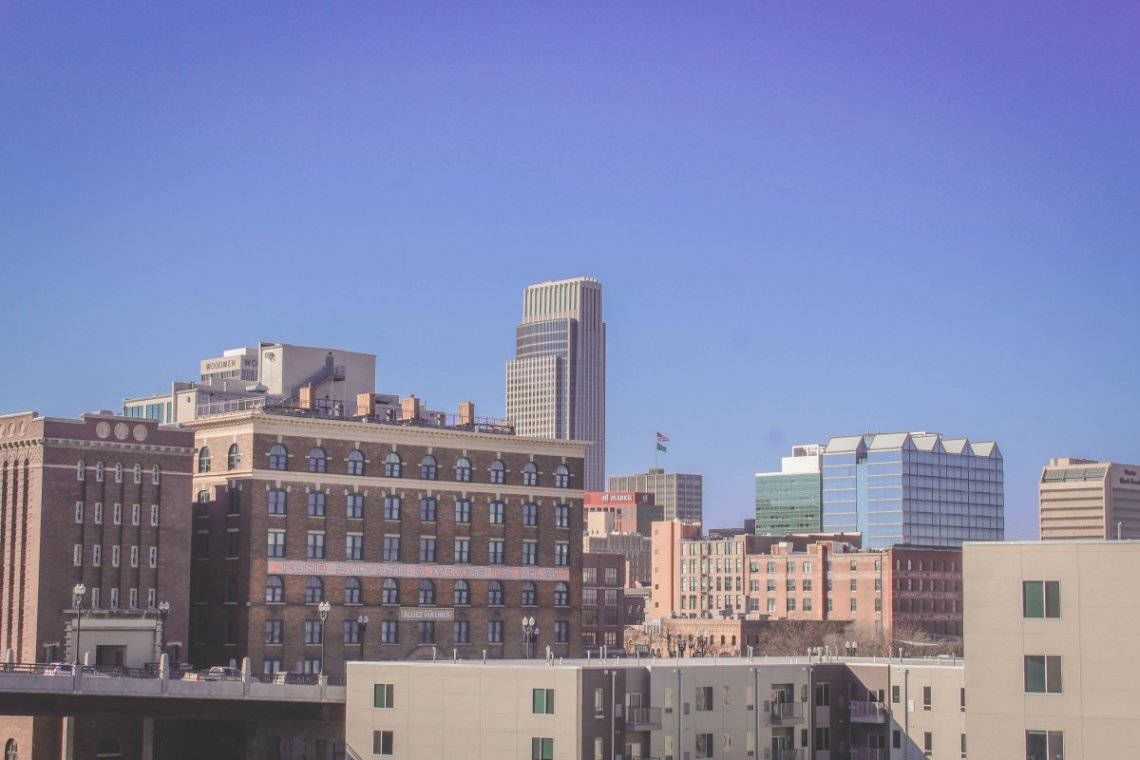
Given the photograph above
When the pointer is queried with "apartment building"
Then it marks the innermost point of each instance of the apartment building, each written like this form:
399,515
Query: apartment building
1084,498
603,602
1051,632
421,535
775,709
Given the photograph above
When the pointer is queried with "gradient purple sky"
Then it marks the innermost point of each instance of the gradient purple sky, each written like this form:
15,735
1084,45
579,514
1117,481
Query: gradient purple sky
810,218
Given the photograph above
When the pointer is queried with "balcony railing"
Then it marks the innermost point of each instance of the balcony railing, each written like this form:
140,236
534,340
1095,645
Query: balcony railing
783,713
867,712
870,753
642,718
784,754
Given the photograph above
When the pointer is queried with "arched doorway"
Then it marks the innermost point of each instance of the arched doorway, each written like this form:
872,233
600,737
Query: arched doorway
108,749
11,751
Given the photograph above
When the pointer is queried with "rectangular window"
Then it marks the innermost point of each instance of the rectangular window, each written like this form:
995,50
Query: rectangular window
389,632
277,499
495,551
530,552
79,512
134,556
428,507
151,597
274,631
823,694
427,550
1044,745
495,631
114,598
235,501
461,632
316,503
561,631
822,739
77,555
1041,599
462,551
313,630
351,632
115,555
354,546
561,554
927,697
562,516
391,548
354,506
383,695
704,698
275,544
542,701
462,511
96,554
927,743
98,513
315,545
1043,674
541,749
427,631
382,743
704,745
154,515
963,745
496,512
117,514
599,702
896,739
391,507
530,515
233,542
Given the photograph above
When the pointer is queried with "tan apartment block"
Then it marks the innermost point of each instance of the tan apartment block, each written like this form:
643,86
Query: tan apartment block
1084,498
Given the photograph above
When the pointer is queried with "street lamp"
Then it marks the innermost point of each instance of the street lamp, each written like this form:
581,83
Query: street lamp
530,633
361,627
77,594
163,611
323,610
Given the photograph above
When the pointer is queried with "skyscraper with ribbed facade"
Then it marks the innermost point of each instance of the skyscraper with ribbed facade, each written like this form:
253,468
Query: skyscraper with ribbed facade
556,384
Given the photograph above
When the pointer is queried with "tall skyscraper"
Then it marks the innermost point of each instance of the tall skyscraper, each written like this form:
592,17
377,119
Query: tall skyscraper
913,488
678,494
1083,498
556,384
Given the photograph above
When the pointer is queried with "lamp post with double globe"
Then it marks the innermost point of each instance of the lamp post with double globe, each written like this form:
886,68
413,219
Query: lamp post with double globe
530,634
323,610
77,593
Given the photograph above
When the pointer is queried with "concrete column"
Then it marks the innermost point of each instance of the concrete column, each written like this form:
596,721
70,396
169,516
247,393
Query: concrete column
147,739
67,739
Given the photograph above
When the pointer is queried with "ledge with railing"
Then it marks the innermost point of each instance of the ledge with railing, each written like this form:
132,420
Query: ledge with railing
642,718
868,712
782,713
784,754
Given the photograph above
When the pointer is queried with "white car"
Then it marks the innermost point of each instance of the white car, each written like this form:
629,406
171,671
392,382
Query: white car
68,669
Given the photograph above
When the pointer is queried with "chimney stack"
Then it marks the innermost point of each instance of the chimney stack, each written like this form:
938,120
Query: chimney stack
410,408
307,397
467,413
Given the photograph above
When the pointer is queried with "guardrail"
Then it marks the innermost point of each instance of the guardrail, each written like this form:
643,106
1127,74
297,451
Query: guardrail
642,718
863,711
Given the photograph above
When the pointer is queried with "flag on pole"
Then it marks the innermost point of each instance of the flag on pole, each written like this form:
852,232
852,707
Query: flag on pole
661,437
661,447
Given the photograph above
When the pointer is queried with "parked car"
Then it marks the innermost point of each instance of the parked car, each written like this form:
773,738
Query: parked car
67,669
222,673
290,677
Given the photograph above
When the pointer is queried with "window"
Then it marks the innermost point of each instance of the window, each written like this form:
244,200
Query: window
530,515
427,593
896,694
1043,674
99,472
383,696
561,594
389,632
427,549
427,631
704,698
274,590
530,474
561,553
274,631
391,507
599,702
275,544
462,551
823,695
134,555
390,591
382,742
391,548
599,748
927,743
278,457
355,463
529,594
495,551
115,555
277,499
354,546
498,472
117,514
114,598
822,739
427,509
704,745
315,545
99,513
462,511
314,590
136,473
352,590
561,477
311,665
352,632
80,470
273,665
461,632
317,460
561,631
590,575
354,506
155,475
233,457
542,701
963,745
927,697
541,749
152,556
461,593
962,700
154,515
495,631
316,503
496,512
77,554
1041,599
530,552
896,739
1044,745
853,584
79,512
204,459
494,593
393,466
428,467
151,598
853,604
562,516
463,470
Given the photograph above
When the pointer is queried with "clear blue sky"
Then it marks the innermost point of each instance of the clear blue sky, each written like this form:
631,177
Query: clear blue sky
809,218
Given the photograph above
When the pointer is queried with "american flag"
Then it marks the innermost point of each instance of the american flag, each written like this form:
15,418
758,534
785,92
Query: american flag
661,437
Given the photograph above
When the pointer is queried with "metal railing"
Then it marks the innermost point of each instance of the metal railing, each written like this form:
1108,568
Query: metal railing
870,753
350,411
868,712
231,405
642,718
785,712
150,671
784,754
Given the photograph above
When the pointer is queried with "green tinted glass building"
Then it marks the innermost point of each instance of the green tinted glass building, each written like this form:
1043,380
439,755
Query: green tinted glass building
790,501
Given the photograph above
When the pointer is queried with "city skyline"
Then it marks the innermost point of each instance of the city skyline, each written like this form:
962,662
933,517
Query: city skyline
888,225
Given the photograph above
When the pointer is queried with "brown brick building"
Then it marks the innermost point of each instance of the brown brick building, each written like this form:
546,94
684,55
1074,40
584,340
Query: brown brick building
419,534
603,602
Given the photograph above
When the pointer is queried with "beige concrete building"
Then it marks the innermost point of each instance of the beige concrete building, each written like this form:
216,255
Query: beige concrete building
1052,631
1084,498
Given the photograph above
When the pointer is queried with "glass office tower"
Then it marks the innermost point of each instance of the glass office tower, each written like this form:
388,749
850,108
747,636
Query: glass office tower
789,501
913,488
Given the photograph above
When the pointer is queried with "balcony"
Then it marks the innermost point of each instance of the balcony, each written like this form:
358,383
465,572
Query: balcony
784,754
869,753
867,712
643,718
785,713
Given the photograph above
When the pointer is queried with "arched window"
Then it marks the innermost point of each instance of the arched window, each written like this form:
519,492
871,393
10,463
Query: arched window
530,474
136,473
352,590
11,752
427,467
99,471
390,591
80,470
314,590
233,457
119,472
278,457
393,467
155,475
356,462
108,749
317,461
529,595
462,593
562,477
274,590
561,595
427,593
495,593
204,459
498,472
463,470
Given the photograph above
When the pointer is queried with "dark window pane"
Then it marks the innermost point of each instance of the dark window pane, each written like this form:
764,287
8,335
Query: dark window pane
1033,599
1052,599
